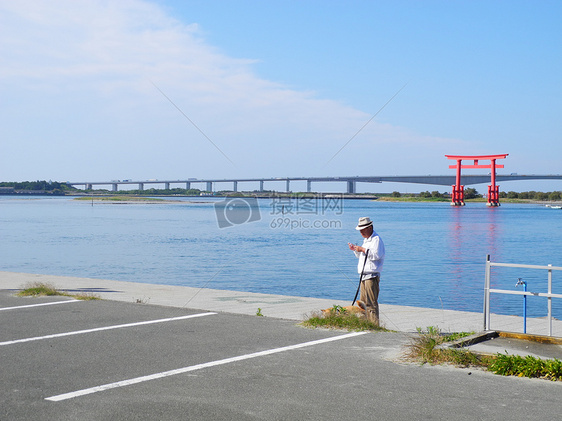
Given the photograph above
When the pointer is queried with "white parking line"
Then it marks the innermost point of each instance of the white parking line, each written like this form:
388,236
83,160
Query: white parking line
42,304
160,375
99,329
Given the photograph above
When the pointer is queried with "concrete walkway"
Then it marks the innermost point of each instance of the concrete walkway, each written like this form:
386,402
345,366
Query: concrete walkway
393,317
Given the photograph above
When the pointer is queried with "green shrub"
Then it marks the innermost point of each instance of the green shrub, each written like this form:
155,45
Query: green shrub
529,366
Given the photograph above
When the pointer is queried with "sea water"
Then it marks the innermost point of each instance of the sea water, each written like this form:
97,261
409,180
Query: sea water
435,253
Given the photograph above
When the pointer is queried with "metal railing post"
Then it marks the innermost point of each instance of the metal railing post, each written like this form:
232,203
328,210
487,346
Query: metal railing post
549,301
520,281
487,294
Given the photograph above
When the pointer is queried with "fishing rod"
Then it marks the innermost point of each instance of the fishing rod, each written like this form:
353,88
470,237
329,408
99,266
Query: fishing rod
365,125
361,276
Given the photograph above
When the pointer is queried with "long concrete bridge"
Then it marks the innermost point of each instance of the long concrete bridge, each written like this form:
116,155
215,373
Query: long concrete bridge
351,182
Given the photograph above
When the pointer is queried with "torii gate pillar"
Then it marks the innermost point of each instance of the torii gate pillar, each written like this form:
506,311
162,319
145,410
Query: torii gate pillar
457,196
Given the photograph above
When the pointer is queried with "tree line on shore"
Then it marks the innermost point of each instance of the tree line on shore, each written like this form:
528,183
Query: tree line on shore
40,186
470,193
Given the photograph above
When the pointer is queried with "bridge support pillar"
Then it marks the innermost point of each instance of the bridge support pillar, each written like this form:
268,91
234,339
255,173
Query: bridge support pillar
287,186
351,186
235,186
141,186
209,186
114,187
187,185
88,187
261,185
308,186
167,186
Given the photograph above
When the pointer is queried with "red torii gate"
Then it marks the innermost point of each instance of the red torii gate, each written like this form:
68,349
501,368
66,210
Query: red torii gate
457,197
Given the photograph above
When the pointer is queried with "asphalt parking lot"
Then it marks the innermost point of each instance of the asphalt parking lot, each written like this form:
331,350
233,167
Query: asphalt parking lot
107,360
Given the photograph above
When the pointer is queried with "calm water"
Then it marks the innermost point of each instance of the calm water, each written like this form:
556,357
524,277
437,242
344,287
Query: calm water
435,253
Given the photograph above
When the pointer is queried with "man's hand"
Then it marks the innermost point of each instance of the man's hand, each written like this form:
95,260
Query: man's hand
353,247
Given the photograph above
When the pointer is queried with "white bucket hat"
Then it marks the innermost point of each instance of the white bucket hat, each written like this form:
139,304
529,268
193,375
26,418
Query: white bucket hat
364,222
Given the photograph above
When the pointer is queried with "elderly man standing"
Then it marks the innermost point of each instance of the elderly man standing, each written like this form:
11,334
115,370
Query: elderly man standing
371,259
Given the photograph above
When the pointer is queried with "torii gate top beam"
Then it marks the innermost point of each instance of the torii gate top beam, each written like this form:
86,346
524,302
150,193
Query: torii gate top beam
501,156
475,158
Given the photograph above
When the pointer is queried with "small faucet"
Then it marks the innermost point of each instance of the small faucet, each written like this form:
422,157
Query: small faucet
520,281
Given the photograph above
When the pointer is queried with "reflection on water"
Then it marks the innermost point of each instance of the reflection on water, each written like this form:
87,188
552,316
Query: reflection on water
472,233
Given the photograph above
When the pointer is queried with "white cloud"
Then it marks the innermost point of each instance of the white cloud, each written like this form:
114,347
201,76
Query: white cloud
78,75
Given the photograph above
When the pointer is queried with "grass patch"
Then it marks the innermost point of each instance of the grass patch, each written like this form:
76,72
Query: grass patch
38,289
85,296
413,199
529,366
425,349
338,318
120,199
42,289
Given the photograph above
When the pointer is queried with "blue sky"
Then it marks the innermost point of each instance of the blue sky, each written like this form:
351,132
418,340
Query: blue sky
277,88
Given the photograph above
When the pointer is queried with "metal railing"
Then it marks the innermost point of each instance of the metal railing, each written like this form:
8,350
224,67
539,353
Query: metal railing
487,290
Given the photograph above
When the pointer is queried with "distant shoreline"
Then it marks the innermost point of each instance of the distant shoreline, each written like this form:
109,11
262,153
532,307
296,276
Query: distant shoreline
152,199
108,197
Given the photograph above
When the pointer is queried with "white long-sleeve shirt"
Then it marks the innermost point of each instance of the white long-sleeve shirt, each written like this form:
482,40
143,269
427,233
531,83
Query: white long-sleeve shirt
375,260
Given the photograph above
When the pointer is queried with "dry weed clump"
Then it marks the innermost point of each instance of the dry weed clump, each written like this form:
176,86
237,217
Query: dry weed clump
339,317
41,289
